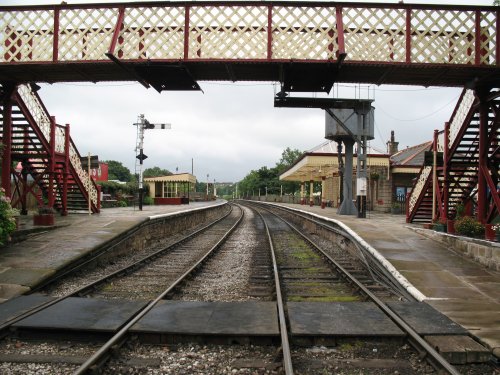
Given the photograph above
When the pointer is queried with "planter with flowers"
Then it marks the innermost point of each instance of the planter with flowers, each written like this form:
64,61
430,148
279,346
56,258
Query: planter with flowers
439,225
496,231
470,227
45,216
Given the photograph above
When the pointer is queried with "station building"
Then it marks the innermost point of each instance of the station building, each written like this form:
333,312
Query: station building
172,189
390,176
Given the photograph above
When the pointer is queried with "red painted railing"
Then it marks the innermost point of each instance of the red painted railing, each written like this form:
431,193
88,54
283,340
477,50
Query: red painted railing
251,31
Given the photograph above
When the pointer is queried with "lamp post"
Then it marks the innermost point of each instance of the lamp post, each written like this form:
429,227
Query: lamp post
207,185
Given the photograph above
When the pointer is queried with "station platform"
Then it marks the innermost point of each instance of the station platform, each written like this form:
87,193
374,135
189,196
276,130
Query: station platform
45,250
460,288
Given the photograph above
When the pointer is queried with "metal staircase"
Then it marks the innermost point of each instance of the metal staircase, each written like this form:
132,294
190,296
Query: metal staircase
51,168
458,178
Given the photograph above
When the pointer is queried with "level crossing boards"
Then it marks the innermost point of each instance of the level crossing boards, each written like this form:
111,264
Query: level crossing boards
172,46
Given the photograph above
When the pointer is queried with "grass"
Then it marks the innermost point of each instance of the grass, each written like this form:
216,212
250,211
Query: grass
323,299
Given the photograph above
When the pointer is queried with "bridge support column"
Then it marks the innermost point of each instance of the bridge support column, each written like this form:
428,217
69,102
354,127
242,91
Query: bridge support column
66,172
7,139
323,191
482,209
52,161
23,189
347,206
446,173
311,193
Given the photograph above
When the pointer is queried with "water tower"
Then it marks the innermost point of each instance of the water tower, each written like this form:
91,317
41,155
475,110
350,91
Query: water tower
348,121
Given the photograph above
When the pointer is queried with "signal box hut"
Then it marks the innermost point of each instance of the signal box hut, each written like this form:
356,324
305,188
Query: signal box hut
173,189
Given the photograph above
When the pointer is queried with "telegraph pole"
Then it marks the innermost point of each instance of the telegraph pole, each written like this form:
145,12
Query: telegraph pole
143,124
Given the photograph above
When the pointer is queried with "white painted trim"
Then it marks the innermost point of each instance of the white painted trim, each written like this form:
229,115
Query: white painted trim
160,216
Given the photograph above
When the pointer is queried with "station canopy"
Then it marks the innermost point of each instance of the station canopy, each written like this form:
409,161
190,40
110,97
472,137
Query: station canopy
323,161
181,177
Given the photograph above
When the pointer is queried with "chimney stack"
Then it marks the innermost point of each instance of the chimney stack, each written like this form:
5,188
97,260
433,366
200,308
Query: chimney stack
392,145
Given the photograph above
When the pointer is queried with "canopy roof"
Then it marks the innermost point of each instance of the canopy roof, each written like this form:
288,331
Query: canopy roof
323,161
180,177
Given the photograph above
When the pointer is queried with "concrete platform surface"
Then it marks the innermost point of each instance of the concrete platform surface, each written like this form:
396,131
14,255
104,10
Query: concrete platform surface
25,264
465,291
248,318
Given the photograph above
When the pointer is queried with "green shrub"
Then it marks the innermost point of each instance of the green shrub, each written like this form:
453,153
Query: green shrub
148,201
121,204
468,226
7,220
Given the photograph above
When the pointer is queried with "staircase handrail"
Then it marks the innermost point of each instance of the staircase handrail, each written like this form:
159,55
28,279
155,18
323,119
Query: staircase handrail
418,188
460,113
75,158
42,118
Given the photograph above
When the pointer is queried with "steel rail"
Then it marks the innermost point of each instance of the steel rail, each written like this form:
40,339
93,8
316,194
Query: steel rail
102,354
381,272
120,241
6,325
435,357
285,346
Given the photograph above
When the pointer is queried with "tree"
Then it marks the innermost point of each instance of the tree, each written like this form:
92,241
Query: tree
288,158
117,171
496,3
269,177
155,172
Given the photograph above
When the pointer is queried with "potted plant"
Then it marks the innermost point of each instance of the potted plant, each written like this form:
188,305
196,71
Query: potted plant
374,176
45,216
439,225
468,226
496,229
396,208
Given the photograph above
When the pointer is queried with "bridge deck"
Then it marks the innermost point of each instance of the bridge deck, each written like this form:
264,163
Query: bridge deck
306,45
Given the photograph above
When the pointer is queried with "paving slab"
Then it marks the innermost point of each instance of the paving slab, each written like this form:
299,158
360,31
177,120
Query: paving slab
83,314
459,350
425,319
25,276
339,319
249,318
8,291
19,305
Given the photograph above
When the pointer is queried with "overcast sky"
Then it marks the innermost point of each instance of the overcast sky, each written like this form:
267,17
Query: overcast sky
229,129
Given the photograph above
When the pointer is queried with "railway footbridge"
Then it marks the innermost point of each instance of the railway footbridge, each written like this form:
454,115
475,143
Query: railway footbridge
306,46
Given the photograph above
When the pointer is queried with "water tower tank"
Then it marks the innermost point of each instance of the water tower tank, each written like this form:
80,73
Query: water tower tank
349,117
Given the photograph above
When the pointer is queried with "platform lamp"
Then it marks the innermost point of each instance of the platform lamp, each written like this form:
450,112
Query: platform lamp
143,124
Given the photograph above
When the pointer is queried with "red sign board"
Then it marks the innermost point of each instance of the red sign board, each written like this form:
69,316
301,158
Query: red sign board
101,173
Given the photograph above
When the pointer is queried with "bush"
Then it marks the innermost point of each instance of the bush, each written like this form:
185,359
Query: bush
7,220
148,201
468,226
121,204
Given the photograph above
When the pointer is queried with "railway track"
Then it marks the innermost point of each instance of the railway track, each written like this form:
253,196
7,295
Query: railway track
304,276
265,259
182,258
